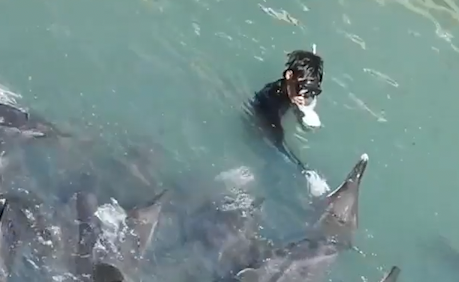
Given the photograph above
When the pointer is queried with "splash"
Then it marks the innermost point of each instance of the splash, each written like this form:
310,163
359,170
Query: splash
317,185
7,96
236,177
112,217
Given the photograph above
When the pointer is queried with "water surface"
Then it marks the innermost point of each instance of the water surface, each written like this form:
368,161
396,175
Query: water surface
179,71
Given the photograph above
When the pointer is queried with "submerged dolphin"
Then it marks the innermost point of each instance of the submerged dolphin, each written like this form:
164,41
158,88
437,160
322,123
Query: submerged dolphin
308,259
98,256
16,121
24,229
218,237
392,275
72,239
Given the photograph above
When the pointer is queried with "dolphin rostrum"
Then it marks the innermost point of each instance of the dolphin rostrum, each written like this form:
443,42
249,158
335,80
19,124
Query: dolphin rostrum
308,259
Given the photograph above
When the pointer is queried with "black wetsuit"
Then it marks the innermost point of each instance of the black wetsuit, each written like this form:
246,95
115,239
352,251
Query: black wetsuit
269,105
273,101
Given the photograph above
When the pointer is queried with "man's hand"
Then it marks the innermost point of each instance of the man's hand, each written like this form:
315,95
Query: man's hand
299,100
288,74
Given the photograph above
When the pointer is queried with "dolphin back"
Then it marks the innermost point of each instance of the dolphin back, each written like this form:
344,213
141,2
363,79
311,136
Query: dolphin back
143,221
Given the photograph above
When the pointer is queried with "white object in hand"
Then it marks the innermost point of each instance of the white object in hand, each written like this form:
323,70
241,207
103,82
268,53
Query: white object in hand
317,185
310,118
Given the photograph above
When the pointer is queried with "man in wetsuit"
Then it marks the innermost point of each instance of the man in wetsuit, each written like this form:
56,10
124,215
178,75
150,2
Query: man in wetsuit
300,83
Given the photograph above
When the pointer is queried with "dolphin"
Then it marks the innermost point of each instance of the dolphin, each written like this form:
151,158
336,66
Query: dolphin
392,275
224,233
14,120
100,257
442,250
308,259
217,236
26,228
72,239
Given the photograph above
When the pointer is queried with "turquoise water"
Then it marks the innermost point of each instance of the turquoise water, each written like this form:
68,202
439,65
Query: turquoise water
180,71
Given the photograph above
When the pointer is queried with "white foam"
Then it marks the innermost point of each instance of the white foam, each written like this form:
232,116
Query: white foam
112,217
238,177
7,96
310,118
364,157
317,185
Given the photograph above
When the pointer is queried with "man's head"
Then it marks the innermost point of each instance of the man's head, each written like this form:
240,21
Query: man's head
307,69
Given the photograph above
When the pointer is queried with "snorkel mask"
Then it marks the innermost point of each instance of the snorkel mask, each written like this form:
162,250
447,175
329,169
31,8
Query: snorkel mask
309,89
307,70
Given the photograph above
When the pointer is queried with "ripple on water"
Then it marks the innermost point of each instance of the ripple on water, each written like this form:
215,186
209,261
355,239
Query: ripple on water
381,76
355,38
280,15
380,117
426,8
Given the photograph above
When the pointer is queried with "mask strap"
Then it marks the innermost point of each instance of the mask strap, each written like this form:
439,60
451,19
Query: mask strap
314,48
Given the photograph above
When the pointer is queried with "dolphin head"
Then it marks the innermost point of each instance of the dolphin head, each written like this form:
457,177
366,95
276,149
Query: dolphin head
392,275
341,214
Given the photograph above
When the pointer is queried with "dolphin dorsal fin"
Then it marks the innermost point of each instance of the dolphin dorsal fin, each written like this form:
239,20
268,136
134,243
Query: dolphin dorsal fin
392,275
143,220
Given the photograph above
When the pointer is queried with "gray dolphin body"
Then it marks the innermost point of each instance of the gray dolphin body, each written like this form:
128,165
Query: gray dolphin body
217,238
71,239
308,259
25,229
101,258
392,275
16,121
